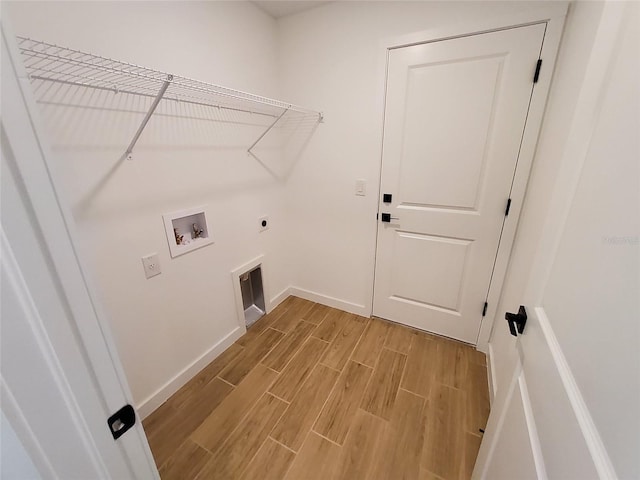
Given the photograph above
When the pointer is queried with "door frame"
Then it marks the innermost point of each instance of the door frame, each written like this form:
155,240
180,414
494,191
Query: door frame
553,15
87,326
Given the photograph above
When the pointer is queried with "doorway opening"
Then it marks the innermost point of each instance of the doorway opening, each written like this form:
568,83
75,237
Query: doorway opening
252,295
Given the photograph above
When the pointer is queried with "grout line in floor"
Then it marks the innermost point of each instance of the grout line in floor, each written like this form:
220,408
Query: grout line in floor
280,443
279,398
329,367
429,471
412,393
249,410
373,369
226,381
272,369
326,438
248,461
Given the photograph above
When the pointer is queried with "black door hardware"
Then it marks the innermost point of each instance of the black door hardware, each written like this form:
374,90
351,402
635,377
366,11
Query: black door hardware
386,198
517,321
386,217
536,75
506,211
121,421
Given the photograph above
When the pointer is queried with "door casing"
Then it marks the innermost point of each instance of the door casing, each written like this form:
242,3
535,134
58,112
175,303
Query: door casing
554,16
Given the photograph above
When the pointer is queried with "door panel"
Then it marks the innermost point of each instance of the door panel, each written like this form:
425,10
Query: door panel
514,445
427,150
533,431
563,444
454,117
417,258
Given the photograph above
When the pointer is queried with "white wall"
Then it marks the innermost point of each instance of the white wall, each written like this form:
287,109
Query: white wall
164,324
332,58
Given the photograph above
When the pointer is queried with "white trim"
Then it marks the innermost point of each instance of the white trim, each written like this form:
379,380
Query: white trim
547,11
551,13
330,301
153,401
492,378
591,435
279,298
532,430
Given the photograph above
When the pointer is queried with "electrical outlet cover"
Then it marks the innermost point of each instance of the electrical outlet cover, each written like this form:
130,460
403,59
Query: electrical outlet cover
151,265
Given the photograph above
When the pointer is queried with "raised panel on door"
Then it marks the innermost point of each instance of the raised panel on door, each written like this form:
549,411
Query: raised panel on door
445,131
429,270
454,117
514,447
563,443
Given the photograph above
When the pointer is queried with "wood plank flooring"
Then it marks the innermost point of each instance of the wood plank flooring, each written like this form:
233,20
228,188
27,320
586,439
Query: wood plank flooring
313,392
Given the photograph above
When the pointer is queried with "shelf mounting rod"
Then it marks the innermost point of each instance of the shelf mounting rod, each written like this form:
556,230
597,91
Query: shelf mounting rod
267,131
128,154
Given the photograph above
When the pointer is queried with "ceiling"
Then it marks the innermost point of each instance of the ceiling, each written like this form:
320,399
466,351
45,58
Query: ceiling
278,9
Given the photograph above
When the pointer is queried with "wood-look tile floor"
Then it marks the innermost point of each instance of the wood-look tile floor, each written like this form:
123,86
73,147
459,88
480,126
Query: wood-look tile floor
311,392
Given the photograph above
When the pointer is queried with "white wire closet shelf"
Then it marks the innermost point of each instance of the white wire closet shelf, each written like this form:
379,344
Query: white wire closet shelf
46,62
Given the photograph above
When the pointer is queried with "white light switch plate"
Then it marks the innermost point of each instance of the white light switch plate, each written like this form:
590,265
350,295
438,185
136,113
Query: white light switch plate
361,187
151,265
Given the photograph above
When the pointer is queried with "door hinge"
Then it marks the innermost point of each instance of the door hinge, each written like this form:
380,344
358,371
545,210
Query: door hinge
484,309
537,74
377,216
506,212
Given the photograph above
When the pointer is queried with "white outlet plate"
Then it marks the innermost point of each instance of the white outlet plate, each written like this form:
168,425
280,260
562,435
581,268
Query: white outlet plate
264,219
361,187
151,265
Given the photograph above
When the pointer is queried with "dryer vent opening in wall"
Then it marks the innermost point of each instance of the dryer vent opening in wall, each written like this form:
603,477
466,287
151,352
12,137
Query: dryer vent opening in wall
252,295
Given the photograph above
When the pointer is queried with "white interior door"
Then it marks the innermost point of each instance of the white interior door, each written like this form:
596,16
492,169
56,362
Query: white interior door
454,120
60,375
572,409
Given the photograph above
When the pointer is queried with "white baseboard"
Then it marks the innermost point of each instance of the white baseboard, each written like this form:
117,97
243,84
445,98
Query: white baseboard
148,405
330,301
491,374
278,299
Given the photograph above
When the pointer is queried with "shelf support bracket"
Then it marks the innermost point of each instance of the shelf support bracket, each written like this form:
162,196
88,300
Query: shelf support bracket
266,131
128,154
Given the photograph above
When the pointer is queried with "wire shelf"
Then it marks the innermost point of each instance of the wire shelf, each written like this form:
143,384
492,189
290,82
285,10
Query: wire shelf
45,62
